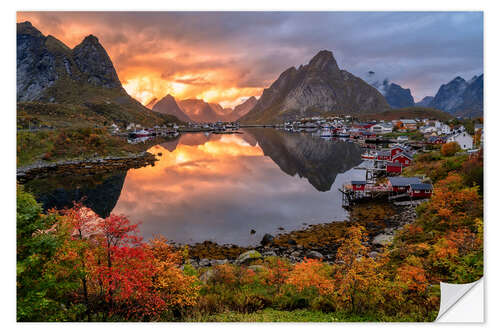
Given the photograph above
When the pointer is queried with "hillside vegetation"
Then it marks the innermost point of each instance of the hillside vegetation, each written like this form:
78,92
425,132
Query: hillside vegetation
407,113
63,275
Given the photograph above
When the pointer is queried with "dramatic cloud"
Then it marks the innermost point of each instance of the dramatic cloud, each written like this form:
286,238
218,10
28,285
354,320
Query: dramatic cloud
227,56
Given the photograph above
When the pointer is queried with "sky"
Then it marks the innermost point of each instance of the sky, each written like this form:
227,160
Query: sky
226,57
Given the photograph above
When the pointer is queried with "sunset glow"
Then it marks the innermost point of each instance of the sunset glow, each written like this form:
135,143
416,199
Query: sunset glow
226,57
149,67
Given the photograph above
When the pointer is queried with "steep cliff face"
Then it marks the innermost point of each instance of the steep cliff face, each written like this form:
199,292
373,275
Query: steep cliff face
92,60
168,105
473,104
425,102
36,64
460,97
198,110
398,97
242,109
318,87
449,96
48,71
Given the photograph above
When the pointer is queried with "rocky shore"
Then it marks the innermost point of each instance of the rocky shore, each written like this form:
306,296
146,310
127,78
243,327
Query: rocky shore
316,241
85,166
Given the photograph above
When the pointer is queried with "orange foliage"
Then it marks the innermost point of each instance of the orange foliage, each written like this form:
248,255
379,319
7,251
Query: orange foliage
450,149
312,273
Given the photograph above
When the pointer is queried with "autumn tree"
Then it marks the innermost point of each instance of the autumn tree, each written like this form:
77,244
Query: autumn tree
357,277
176,289
450,148
312,273
40,291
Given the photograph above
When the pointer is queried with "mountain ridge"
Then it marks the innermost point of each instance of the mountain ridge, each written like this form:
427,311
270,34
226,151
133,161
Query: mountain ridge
49,72
316,88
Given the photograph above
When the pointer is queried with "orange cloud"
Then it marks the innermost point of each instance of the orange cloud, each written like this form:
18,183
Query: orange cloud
151,65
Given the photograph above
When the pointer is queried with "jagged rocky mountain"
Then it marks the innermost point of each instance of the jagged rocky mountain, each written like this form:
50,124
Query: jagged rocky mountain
152,103
168,105
242,109
48,71
198,110
425,102
318,160
460,97
396,96
316,88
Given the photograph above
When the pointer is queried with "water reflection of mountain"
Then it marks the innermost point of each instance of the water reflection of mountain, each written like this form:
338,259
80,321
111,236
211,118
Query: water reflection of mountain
101,191
308,156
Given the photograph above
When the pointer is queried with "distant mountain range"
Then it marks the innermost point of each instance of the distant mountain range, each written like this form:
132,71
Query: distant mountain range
83,79
459,97
396,96
198,110
320,87
49,72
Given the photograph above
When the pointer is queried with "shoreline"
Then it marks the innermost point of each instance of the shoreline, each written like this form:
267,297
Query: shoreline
319,241
85,166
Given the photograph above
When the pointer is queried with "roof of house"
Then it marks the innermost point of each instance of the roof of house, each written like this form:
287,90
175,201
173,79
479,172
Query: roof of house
399,146
421,186
408,121
405,154
384,125
358,182
384,153
404,181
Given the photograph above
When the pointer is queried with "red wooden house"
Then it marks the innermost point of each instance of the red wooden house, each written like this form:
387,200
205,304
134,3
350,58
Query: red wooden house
421,190
403,158
402,184
384,155
393,167
358,185
396,150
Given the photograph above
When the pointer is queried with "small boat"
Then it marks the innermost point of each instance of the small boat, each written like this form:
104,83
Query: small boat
142,133
368,156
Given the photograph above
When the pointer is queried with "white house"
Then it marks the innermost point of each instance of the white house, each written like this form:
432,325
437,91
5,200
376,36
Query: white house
445,129
381,128
463,139
114,128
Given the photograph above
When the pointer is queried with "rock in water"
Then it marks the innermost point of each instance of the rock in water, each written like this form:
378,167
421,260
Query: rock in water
267,239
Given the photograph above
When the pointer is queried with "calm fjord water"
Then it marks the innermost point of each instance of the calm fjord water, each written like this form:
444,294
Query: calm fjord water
220,187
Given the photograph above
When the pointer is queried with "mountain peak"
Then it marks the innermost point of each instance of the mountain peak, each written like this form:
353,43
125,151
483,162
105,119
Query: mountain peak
458,79
93,60
26,28
91,39
323,60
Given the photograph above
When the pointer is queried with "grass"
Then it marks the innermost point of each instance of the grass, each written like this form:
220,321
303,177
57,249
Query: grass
71,144
122,110
303,315
412,135
407,113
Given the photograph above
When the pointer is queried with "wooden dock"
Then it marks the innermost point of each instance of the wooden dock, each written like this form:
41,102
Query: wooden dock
370,192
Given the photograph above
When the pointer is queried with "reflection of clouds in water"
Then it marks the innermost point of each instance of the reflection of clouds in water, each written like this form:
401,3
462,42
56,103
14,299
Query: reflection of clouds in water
220,191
